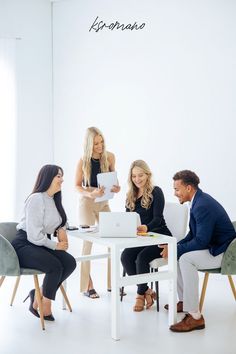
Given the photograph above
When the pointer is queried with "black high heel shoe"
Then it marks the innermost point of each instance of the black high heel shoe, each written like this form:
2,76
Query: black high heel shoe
49,317
31,295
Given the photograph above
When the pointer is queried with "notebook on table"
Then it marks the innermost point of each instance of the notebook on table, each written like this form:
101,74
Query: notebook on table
118,224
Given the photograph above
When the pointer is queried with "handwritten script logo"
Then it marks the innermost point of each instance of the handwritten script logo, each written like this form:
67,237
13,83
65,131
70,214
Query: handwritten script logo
100,25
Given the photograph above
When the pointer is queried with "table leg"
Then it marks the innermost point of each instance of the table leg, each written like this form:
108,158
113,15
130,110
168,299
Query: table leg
115,299
172,265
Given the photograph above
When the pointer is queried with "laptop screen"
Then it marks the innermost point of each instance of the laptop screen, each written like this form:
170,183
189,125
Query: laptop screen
118,224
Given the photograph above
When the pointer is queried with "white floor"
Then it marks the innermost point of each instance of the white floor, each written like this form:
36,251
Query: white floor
87,328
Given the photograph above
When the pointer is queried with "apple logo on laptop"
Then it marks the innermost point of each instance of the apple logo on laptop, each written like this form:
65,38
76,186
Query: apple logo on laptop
117,224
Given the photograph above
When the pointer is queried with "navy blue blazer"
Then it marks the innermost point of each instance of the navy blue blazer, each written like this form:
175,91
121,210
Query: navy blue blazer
209,227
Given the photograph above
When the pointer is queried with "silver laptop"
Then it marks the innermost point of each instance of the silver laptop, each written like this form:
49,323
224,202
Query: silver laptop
118,224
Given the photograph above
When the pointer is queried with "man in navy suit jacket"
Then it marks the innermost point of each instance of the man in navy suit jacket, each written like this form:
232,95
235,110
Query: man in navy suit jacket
210,233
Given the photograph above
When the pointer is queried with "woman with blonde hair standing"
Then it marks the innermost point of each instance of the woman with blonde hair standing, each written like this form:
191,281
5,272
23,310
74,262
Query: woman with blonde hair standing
96,159
148,201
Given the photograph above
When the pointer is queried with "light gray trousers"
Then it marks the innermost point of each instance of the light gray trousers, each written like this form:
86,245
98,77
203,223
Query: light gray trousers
188,280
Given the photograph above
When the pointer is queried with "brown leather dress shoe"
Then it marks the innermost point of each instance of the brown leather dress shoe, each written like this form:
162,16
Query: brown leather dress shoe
179,306
188,324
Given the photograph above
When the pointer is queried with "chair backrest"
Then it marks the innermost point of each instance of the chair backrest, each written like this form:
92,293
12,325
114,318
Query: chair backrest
228,265
176,217
8,230
9,263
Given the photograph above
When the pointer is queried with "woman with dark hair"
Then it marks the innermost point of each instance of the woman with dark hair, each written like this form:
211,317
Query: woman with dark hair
44,216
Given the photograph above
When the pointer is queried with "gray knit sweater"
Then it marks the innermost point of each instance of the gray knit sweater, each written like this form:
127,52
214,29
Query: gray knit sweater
40,217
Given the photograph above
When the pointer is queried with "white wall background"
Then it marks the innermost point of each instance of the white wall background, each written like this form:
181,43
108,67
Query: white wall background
31,21
165,94
8,114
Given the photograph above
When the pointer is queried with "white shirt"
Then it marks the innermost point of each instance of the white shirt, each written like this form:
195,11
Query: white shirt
191,201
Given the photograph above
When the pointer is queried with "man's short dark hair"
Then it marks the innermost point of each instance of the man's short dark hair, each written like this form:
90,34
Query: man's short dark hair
187,177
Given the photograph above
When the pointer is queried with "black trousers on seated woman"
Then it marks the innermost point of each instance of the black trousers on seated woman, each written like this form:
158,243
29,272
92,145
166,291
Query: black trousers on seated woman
57,265
136,261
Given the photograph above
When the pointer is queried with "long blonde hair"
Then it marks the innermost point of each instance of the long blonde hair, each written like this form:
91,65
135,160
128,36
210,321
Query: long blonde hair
132,193
91,133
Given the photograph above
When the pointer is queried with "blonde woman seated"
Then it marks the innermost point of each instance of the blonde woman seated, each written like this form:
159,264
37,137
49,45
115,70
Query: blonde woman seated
148,201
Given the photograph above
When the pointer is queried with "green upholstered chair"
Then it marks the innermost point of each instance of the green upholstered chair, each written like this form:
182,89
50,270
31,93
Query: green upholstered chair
228,267
9,266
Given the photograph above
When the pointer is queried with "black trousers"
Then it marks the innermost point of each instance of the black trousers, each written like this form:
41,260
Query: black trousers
136,261
57,265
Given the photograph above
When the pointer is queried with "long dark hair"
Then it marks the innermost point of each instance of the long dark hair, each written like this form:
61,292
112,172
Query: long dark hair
43,182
